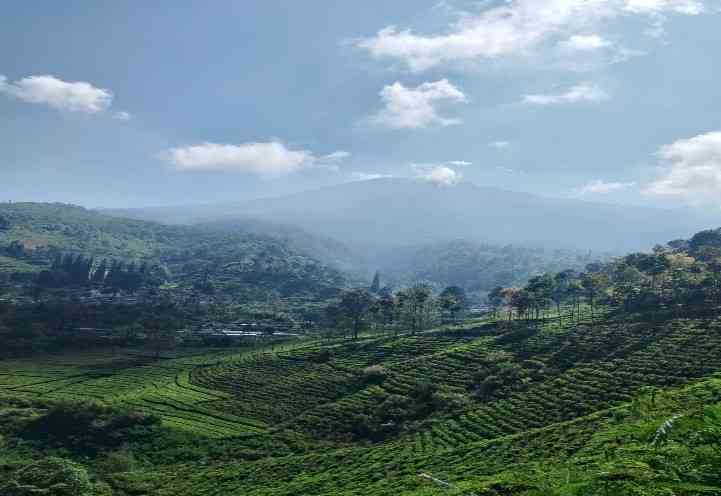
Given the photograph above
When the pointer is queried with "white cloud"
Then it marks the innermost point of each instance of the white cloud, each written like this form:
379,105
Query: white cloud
584,43
499,145
583,92
687,7
337,155
460,163
76,96
367,176
122,116
265,159
438,174
513,28
601,187
417,107
691,170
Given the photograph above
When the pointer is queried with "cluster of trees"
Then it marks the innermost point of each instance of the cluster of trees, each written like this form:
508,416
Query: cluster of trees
77,270
476,267
414,308
684,274
237,263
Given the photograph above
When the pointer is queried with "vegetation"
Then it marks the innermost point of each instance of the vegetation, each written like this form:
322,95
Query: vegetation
476,267
604,380
245,266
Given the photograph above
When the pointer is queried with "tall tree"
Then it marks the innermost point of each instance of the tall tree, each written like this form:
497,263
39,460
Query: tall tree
376,284
355,305
100,272
452,301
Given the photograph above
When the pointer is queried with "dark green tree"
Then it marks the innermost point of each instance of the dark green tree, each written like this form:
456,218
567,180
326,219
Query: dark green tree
452,301
376,284
355,305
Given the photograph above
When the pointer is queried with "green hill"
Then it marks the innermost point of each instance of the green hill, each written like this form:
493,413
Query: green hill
238,261
577,411
602,382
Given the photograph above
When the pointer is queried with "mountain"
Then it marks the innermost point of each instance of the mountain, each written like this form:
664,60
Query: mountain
392,211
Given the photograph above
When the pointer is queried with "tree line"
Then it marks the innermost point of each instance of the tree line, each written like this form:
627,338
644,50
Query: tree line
414,308
78,270
683,275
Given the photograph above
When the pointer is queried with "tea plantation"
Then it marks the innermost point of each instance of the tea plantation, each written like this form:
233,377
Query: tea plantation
618,404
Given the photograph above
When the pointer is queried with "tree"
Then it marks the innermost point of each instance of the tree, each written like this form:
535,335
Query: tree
100,272
388,309
452,300
540,289
355,305
376,284
593,284
4,223
561,290
417,306
496,299
522,301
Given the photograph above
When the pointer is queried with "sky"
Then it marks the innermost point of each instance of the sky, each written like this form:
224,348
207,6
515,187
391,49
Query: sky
126,104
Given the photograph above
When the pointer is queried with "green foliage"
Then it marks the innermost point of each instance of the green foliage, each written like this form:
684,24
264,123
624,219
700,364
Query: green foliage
89,427
52,477
241,264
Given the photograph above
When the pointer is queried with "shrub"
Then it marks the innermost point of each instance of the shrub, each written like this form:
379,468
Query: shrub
374,374
90,427
51,476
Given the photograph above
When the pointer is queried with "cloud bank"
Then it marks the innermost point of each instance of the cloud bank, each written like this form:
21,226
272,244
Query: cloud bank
516,28
268,159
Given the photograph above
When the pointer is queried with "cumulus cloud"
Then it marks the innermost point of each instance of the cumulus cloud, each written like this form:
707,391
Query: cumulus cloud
78,96
265,159
459,163
691,170
601,187
583,92
438,174
417,107
514,28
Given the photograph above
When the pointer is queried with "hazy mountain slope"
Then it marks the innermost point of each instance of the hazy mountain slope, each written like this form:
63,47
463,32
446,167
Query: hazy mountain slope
475,266
232,219
401,211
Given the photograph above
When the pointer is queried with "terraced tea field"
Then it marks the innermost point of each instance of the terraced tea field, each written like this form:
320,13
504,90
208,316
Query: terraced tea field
366,417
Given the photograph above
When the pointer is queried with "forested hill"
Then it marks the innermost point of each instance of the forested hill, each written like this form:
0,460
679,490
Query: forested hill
476,267
32,234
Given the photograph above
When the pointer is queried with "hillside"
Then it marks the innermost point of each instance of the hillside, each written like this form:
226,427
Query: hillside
292,421
580,383
476,267
37,232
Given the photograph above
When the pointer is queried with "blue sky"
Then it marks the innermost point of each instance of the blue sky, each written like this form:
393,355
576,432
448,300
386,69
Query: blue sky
126,104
